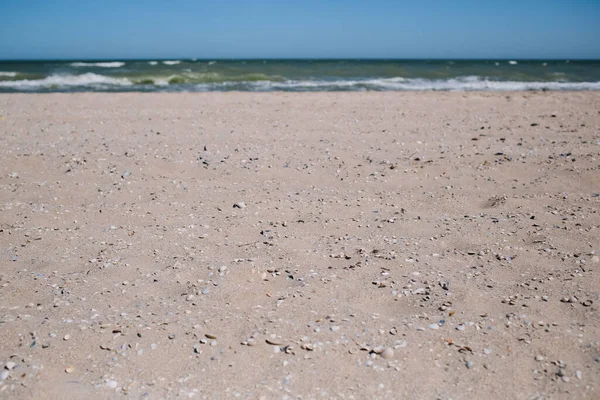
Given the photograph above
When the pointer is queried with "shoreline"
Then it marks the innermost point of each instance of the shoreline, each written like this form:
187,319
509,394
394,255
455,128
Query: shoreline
315,93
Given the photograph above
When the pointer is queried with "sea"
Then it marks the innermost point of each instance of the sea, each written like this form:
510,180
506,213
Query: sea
195,75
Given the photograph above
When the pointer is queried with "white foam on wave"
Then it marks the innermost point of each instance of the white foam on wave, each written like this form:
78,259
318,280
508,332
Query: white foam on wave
152,62
10,74
513,62
467,83
89,79
162,81
175,62
112,64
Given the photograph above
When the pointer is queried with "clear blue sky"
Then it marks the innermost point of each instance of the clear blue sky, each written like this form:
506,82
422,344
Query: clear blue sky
115,29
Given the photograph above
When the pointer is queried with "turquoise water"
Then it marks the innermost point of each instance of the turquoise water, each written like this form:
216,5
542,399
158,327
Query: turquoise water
297,75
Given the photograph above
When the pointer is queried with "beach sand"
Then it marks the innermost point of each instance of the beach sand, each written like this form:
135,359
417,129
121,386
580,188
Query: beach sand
289,245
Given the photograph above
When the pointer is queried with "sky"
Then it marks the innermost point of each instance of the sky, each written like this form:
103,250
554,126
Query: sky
150,29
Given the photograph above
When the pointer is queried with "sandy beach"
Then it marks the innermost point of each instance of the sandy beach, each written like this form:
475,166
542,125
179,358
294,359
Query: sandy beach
436,245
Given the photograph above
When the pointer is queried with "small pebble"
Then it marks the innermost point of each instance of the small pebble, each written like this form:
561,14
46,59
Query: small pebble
67,337
69,369
10,365
388,353
3,375
434,326
111,384
469,364
378,350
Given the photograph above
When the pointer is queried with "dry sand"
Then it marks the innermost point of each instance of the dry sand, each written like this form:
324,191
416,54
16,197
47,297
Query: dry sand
390,245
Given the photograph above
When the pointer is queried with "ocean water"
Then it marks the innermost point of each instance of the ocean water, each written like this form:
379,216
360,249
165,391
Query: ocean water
296,75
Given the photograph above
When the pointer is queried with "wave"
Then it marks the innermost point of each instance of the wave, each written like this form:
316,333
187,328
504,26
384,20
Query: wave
188,78
172,62
468,83
58,81
152,62
10,74
112,64
266,83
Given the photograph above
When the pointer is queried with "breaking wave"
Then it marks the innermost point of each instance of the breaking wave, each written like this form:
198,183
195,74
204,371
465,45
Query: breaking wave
470,83
60,81
112,64
203,82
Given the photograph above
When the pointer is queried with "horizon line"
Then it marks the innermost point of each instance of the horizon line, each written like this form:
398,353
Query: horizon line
298,59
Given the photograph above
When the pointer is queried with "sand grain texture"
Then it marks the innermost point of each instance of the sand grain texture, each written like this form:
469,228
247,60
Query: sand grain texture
459,230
